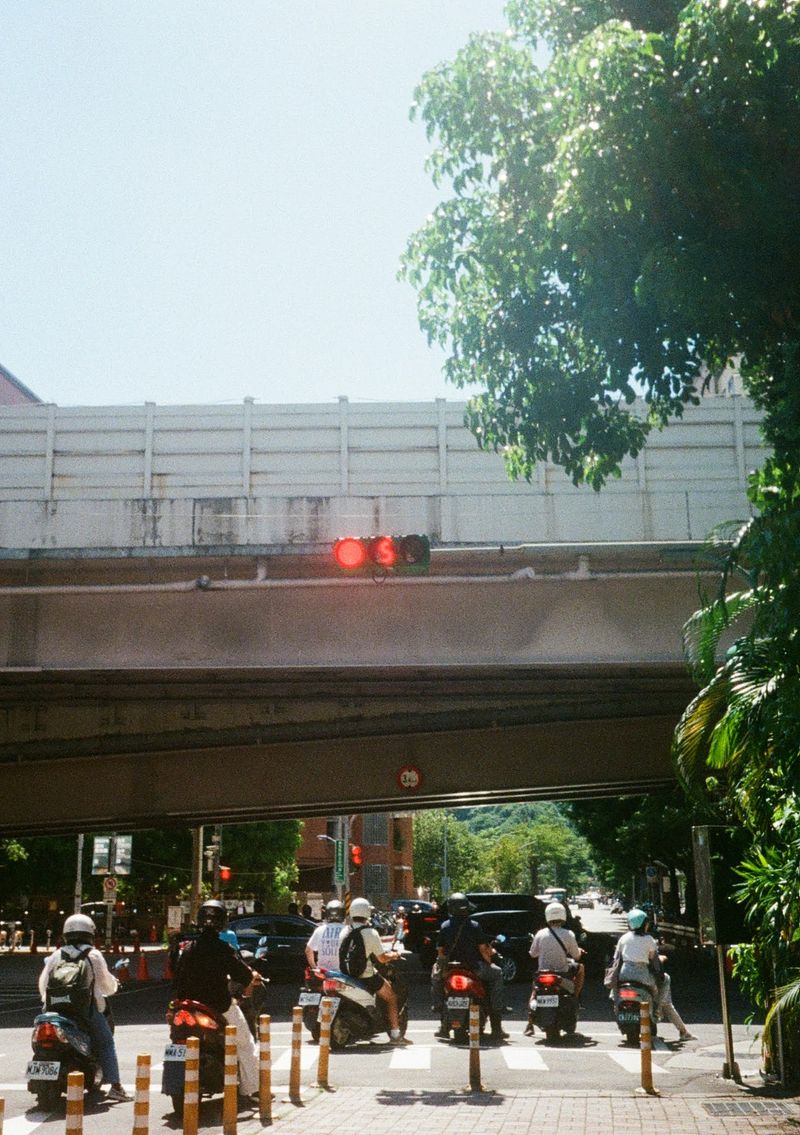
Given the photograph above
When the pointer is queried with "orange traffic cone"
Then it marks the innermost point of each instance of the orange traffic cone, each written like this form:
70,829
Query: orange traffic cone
141,973
169,973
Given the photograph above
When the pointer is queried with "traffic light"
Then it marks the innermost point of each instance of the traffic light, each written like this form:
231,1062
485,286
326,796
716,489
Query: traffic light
400,555
356,856
224,874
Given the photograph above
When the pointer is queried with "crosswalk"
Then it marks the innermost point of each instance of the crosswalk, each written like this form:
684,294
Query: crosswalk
17,994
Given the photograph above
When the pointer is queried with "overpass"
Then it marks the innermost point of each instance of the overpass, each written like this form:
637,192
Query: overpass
176,645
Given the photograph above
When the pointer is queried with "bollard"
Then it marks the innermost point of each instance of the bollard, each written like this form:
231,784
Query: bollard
646,1047
475,1084
2,1113
264,1071
324,1043
74,1104
229,1108
191,1086
33,942
142,973
294,1068
141,1102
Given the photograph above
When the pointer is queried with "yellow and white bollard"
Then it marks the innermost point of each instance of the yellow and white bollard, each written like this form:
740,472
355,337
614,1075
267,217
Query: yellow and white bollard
646,1048
294,1067
141,1103
324,1042
74,1104
475,1084
229,1100
264,1070
191,1087
2,1113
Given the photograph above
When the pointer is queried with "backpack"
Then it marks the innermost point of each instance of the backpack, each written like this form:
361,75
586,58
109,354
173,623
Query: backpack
70,986
352,952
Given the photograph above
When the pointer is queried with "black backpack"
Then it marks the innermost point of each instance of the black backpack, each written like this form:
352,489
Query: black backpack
352,952
70,985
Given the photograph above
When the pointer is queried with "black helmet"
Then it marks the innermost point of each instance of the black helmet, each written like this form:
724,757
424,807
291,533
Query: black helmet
212,915
458,905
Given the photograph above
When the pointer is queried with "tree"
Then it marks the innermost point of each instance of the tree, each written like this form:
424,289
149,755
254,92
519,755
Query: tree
622,220
466,856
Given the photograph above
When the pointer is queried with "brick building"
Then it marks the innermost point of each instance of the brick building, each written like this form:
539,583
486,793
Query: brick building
387,870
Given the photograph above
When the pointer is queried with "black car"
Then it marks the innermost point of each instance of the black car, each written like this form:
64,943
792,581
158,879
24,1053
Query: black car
277,940
518,928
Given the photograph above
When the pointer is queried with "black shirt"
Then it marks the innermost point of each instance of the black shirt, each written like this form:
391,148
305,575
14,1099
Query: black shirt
204,968
460,938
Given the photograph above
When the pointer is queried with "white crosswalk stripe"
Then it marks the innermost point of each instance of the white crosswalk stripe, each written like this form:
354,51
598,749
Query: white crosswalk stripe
417,1058
308,1058
524,1060
632,1062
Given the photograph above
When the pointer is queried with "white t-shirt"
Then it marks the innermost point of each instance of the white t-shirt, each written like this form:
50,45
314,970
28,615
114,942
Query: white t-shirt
325,941
549,953
636,947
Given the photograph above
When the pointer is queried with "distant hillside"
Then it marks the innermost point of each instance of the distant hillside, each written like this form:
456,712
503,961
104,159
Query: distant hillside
490,819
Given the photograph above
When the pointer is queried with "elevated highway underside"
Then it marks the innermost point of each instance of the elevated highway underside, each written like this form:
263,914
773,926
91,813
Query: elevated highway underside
149,694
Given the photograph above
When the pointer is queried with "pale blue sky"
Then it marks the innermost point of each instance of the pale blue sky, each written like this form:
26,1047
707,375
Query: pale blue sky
202,201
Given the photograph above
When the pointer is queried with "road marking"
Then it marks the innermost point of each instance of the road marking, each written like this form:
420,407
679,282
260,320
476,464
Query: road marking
524,1060
632,1062
417,1057
24,1124
308,1058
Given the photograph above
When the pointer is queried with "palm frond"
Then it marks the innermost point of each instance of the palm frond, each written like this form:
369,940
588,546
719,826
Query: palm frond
703,631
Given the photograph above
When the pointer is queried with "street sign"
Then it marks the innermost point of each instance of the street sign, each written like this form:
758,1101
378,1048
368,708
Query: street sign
109,888
100,854
338,863
651,873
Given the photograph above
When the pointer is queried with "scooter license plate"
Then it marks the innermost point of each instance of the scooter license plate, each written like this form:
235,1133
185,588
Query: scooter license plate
175,1052
548,1001
309,998
43,1070
334,1006
458,1002
627,1017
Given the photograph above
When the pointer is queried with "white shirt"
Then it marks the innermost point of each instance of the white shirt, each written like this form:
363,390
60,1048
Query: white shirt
372,944
548,952
637,947
325,941
104,981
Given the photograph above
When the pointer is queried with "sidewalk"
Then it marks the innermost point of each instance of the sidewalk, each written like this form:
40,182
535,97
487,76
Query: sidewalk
727,1110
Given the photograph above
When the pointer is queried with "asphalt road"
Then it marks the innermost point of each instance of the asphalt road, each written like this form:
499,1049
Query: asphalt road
594,1059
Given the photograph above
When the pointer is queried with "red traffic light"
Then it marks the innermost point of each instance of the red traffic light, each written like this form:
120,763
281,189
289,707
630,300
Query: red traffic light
224,873
400,555
356,856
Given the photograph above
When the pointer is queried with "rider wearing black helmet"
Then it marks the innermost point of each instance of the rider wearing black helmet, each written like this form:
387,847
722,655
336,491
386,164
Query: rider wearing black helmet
202,974
461,939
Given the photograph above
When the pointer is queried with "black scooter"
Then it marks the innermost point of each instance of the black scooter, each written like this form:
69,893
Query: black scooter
60,1045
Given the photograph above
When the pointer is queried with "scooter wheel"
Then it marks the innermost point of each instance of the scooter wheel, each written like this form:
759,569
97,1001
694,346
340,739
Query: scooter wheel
632,1034
177,1104
48,1097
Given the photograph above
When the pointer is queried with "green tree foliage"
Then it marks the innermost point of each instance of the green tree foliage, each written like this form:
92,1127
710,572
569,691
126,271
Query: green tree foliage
466,853
621,217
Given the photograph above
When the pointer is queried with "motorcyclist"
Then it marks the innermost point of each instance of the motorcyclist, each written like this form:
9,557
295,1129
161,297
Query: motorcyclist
202,974
360,911
555,949
637,959
79,932
322,948
461,939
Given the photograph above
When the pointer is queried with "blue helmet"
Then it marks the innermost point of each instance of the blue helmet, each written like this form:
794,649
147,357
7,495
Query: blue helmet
636,918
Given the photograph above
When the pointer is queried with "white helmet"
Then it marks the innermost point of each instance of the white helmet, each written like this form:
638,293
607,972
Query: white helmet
555,912
360,908
79,928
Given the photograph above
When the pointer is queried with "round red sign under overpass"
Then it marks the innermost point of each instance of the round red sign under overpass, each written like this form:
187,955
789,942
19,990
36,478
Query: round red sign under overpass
409,778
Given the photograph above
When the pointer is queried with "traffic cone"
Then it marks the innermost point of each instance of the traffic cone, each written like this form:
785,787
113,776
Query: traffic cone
141,973
169,973
153,934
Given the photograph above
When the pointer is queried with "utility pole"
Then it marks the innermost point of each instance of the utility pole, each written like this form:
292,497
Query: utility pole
78,893
197,872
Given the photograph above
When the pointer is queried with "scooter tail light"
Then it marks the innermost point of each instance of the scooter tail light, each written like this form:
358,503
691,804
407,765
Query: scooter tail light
459,982
547,979
331,985
206,1022
184,1019
48,1036
628,995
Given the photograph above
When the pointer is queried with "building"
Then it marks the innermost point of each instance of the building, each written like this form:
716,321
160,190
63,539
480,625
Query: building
12,391
385,840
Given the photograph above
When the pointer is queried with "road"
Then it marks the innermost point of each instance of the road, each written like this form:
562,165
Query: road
593,1060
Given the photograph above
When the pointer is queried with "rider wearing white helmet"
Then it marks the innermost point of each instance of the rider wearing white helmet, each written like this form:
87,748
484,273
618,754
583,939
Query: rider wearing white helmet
322,948
79,934
554,948
360,912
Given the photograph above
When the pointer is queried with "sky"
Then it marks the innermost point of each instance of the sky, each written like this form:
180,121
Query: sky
203,201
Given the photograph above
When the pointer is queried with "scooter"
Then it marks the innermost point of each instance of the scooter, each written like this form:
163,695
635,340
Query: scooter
60,1045
553,1006
193,1018
358,1014
462,989
627,999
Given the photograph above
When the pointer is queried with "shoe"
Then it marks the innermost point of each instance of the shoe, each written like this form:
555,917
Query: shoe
442,1034
399,1040
528,1031
686,1035
117,1094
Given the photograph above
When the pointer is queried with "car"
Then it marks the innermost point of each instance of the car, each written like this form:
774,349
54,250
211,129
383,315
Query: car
584,902
517,928
277,940
506,900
